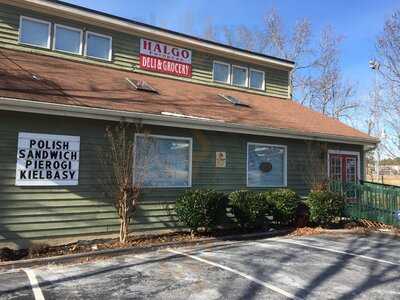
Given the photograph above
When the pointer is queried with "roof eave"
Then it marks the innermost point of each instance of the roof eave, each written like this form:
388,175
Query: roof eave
30,106
118,23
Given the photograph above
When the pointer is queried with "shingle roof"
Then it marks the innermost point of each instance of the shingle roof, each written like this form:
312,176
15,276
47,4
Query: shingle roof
54,80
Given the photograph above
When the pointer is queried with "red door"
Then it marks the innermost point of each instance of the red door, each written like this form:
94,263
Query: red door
343,167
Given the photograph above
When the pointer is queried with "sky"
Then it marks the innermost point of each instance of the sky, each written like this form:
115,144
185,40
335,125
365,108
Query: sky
358,21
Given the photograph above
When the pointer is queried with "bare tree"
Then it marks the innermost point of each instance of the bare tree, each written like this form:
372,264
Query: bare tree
388,52
328,92
292,44
210,30
117,164
388,48
316,80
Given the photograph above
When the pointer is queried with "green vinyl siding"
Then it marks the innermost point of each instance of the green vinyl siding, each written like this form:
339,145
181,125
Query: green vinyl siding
126,53
31,213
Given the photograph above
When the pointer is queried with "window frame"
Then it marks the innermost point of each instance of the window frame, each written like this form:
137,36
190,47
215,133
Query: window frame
247,76
229,72
70,28
263,84
166,137
284,185
21,18
100,35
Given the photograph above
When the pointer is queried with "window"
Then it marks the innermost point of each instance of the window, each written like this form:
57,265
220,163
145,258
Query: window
163,161
266,165
221,72
34,32
98,46
239,76
257,79
67,39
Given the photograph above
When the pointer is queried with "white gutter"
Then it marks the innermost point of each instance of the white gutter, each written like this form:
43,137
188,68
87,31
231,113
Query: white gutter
170,120
82,15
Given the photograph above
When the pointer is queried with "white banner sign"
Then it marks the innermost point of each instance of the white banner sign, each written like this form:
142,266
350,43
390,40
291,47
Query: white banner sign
164,51
45,159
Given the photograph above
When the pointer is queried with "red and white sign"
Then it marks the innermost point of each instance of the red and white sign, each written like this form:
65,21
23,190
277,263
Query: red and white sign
163,58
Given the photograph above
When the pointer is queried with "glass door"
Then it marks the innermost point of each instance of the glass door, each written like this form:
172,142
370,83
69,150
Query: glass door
344,168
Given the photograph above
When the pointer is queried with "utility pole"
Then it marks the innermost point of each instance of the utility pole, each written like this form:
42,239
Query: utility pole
374,66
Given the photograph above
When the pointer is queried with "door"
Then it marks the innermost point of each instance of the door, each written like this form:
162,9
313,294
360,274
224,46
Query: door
345,169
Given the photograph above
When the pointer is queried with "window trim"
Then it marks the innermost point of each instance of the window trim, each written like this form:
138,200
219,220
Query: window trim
229,71
21,18
247,76
100,35
70,28
167,137
263,83
284,185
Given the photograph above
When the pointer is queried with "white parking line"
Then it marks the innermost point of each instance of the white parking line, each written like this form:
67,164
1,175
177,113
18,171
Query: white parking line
329,250
37,292
249,277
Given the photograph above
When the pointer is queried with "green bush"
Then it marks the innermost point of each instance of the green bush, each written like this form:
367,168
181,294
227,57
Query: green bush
285,203
250,209
201,209
325,206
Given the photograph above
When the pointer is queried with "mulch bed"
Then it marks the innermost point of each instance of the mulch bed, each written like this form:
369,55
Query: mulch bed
43,250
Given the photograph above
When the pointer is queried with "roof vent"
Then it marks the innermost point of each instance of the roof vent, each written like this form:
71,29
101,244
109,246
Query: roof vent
141,85
234,100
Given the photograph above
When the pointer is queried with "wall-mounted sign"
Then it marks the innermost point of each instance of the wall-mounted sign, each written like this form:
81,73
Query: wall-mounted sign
45,159
220,159
163,58
265,167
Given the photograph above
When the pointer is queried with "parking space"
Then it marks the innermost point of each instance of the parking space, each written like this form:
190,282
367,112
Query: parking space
309,267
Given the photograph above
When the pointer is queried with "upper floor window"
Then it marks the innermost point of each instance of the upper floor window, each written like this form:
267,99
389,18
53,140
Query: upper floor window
239,76
257,79
38,33
34,32
98,46
221,72
67,39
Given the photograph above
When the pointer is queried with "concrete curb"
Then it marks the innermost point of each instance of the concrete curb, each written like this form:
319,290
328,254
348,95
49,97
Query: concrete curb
132,250
355,231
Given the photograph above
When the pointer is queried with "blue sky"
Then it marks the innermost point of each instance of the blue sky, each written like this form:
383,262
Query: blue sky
359,21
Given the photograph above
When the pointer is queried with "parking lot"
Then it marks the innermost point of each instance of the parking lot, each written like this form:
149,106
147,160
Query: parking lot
308,267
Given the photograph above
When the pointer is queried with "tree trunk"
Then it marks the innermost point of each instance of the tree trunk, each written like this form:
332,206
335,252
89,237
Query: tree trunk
124,230
124,219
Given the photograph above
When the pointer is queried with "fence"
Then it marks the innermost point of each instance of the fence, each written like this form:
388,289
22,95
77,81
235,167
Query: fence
370,201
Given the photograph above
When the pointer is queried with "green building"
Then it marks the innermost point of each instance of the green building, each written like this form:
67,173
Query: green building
217,117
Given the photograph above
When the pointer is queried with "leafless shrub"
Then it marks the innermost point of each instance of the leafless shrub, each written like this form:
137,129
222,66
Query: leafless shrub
313,165
117,164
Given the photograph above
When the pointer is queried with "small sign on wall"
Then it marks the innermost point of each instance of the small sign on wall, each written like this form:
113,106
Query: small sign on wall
220,159
47,160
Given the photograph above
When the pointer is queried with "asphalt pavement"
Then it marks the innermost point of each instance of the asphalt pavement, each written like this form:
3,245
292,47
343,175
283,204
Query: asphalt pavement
339,266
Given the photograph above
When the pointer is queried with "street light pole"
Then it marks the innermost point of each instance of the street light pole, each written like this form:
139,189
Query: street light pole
375,65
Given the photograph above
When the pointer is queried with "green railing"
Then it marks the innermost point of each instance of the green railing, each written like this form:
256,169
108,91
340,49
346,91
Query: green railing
370,201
